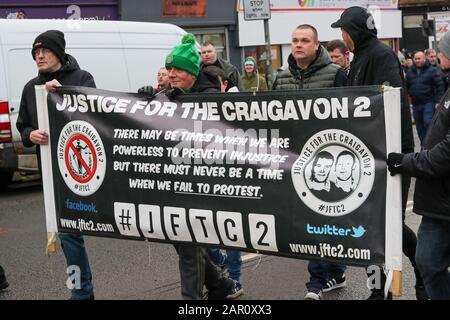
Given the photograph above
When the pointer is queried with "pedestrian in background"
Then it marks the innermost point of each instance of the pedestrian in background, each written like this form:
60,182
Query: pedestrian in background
210,58
339,54
251,79
162,78
425,86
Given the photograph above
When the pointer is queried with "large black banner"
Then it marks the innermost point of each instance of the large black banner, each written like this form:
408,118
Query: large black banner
292,173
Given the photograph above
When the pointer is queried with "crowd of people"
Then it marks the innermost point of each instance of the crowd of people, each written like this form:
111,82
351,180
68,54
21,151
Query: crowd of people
310,65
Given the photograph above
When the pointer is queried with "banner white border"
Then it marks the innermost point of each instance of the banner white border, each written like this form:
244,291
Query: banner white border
46,160
392,111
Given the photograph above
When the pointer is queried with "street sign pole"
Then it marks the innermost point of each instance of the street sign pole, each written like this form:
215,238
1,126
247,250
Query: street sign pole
269,54
434,35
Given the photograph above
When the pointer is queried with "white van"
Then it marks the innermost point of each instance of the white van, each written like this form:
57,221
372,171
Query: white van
121,55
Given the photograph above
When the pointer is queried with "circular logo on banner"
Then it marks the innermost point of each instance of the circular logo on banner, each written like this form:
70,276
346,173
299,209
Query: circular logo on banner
81,157
334,173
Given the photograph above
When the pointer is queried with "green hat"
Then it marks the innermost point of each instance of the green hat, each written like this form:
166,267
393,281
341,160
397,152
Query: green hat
185,56
250,60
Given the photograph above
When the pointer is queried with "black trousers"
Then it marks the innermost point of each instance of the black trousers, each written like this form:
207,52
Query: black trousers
196,271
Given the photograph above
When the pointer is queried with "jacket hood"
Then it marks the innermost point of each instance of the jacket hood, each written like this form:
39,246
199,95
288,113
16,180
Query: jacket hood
70,65
359,23
255,67
322,60
206,82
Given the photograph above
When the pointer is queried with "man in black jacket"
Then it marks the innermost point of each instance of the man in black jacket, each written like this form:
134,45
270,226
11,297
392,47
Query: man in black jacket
55,68
210,58
432,193
374,63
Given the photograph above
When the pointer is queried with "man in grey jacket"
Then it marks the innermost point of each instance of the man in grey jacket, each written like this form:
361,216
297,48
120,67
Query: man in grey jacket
309,64
311,67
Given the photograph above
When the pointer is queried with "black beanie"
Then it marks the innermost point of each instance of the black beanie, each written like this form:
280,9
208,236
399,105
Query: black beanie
53,40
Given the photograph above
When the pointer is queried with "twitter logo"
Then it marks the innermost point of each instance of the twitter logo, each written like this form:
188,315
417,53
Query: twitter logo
358,232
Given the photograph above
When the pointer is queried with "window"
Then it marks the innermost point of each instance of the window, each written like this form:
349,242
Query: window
217,37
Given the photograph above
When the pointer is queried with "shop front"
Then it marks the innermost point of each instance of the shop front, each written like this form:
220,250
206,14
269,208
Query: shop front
209,20
286,15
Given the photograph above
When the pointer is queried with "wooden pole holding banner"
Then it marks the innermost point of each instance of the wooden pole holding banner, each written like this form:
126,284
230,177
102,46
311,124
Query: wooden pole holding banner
46,172
51,242
397,284
394,225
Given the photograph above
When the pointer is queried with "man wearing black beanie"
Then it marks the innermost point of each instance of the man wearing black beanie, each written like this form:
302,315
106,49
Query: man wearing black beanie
56,68
53,40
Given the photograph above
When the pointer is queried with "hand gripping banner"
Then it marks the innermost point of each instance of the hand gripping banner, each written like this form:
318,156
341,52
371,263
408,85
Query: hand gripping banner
300,174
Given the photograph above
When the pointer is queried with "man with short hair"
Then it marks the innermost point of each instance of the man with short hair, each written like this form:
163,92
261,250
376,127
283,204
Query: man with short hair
309,64
374,63
55,68
311,67
425,86
431,56
339,54
162,78
432,193
210,58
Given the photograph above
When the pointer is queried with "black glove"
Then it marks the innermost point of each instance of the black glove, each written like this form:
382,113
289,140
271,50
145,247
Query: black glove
148,90
173,93
394,162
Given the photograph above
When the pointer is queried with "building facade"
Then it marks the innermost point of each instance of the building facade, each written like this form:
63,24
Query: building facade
214,21
288,14
61,9
413,12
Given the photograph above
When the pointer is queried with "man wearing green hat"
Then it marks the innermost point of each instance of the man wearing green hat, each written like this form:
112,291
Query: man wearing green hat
196,269
251,79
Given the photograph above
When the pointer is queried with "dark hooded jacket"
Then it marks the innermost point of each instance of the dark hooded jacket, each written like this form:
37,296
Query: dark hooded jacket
431,166
424,85
206,83
374,63
321,73
231,73
69,74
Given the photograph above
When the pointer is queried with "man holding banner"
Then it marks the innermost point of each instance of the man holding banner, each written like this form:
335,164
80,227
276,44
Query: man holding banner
432,193
376,64
56,68
196,269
